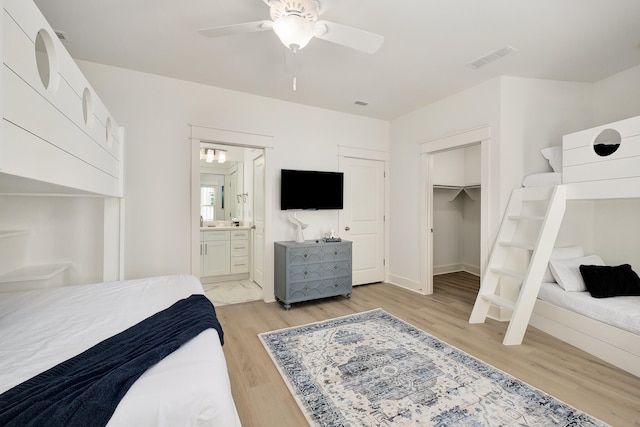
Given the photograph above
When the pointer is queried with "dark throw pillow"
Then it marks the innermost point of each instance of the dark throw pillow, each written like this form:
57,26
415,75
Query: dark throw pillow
603,281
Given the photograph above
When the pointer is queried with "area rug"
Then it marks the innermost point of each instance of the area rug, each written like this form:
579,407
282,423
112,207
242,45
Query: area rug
373,369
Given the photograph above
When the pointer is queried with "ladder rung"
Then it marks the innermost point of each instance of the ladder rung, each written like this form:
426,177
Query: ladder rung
518,245
500,301
510,273
526,218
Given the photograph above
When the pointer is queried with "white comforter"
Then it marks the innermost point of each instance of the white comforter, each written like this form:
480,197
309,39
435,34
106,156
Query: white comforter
621,312
39,329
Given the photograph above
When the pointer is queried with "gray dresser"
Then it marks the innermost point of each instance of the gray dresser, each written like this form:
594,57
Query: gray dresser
310,270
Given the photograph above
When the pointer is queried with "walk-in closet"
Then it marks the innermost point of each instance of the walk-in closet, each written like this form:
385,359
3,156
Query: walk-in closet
456,210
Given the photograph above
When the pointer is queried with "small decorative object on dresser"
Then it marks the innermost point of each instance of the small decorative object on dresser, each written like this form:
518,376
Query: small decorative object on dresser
312,269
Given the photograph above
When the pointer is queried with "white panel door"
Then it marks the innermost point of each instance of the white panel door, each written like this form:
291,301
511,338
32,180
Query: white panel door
258,220
362,219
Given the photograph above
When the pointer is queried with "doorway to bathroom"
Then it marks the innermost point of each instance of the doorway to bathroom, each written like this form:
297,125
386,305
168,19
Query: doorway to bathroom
228,222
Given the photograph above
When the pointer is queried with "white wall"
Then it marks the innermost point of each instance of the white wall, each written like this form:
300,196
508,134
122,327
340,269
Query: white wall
535,114
156,112
617,97
473,108
62,230
524,115
617,230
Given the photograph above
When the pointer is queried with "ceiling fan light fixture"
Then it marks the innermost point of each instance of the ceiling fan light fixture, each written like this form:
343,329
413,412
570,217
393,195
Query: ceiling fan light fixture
294,31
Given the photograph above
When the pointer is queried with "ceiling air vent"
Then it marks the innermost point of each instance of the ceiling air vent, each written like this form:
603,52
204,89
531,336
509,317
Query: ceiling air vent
61,35
490,57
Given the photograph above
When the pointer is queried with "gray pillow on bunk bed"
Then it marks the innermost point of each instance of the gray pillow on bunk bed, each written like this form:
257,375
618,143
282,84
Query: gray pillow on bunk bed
567,274
603,281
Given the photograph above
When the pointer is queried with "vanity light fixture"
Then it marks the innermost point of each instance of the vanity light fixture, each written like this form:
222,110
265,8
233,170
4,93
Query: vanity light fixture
222,156
210,154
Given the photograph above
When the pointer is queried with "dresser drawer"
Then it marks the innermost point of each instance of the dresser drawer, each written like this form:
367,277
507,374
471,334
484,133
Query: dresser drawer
317,271
312,289
319,253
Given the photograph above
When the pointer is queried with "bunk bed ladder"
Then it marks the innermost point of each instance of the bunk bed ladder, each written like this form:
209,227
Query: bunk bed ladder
528,281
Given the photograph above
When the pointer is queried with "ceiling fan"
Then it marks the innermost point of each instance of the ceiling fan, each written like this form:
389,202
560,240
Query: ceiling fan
296,23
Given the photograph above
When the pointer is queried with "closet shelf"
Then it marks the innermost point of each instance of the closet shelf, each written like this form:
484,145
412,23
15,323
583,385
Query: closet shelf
459,189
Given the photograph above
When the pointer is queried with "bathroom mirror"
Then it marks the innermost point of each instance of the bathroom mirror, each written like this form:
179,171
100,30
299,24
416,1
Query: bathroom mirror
607,142
222,195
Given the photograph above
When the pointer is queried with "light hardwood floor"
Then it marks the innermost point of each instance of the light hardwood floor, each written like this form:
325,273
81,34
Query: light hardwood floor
569,374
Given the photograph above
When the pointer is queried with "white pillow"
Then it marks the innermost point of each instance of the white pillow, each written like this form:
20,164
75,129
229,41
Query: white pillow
567,271
562,253
554,155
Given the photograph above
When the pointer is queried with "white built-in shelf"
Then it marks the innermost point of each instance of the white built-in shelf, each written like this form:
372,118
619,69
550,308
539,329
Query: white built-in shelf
34,277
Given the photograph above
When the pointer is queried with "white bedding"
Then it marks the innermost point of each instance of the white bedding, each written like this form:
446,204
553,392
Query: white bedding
542,179
621,312
39,329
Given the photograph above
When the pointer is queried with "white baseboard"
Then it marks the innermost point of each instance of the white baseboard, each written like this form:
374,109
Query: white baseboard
403,282
454,268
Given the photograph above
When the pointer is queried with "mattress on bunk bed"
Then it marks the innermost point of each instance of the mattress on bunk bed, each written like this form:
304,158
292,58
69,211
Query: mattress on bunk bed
40,329
622,312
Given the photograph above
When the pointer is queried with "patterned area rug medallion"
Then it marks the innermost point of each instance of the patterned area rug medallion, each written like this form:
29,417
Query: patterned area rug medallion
373,369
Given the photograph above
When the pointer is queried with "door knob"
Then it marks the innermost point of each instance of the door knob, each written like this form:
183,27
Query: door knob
347,228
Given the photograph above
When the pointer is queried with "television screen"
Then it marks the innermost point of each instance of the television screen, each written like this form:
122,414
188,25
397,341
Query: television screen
301,189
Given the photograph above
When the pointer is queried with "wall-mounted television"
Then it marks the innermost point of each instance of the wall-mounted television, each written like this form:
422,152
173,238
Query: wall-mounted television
302,189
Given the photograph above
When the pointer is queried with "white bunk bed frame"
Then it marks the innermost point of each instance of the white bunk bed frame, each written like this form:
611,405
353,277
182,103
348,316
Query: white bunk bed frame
57,138
586,176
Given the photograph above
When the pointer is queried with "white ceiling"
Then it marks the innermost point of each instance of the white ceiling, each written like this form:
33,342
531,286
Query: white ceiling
427,44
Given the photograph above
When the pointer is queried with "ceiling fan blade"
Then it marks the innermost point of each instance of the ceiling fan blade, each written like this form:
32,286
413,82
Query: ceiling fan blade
227,30
349,36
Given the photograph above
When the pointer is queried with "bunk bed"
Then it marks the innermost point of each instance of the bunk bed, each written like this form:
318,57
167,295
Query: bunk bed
597,164
608,328
59,140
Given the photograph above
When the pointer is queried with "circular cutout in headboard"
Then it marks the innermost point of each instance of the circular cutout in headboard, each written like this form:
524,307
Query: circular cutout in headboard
109,133
87,106
607,142
46,60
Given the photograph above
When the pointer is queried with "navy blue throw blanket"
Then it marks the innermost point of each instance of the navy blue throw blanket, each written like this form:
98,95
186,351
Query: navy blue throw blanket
85,390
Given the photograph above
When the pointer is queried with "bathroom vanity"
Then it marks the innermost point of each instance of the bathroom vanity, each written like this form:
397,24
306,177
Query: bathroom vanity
224,253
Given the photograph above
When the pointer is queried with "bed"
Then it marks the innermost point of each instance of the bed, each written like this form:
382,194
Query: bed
41,328
597,163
